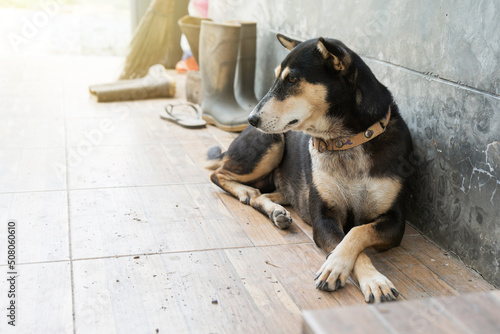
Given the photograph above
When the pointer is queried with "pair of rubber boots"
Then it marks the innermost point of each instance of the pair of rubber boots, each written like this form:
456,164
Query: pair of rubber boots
226,57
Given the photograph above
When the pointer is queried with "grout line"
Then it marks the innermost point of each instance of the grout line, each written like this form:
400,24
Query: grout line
108,187
66,148
423,74
190,251
143,186
38,262
33,148
436,78
159,142
31,191
161,253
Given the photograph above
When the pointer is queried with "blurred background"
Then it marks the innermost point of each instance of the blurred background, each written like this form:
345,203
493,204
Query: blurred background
65,27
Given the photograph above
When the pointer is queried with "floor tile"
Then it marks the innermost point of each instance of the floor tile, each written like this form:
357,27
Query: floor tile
184,292
295,266
114,131
87,106
27,107
258,227
27,78
89,71
43,299
41,225
93,167
38,132
121,221
32,170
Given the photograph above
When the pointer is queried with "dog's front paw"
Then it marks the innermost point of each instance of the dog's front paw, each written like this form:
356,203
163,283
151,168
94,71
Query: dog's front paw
334,272
281,218
377,288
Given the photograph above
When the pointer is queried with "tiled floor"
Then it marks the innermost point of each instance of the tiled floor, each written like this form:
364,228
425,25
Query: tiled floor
121,231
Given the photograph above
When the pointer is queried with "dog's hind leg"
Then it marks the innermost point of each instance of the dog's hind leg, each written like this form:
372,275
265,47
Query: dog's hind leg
246,171
244,193
271,206
268,204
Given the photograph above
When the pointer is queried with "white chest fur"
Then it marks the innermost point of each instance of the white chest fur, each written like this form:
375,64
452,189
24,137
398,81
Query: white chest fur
343,181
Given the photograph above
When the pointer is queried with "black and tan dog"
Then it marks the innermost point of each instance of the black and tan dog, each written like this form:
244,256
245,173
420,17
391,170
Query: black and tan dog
327,139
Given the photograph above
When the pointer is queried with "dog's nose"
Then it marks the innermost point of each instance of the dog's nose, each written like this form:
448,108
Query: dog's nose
254,120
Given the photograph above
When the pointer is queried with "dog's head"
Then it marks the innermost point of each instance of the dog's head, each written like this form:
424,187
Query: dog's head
315,90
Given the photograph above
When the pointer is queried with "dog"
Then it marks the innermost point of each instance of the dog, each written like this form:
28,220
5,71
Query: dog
327,139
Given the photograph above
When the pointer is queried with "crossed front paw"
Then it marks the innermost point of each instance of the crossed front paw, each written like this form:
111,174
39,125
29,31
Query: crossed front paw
334,272
377,288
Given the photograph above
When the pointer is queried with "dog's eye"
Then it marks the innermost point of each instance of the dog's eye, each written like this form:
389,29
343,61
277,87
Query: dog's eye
291,79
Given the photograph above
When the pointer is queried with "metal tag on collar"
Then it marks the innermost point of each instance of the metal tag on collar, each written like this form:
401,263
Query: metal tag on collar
322,145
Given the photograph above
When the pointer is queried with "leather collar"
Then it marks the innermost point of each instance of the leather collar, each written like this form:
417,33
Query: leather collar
344,144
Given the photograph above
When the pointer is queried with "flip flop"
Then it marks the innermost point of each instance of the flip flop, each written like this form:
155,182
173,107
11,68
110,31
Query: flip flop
183,118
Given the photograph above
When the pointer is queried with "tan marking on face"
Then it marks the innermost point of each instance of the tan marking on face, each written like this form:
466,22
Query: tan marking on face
285,73
277,71
308,105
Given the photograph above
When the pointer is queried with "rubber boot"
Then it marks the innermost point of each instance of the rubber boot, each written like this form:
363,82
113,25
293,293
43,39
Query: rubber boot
190,27
245,68
219,43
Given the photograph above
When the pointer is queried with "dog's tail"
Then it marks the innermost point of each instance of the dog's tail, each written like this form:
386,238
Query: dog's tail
214,158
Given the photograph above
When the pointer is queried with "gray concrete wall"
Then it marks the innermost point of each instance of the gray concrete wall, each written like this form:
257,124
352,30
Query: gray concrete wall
441,60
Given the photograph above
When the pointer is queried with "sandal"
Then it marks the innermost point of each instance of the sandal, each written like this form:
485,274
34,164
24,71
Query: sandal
182,118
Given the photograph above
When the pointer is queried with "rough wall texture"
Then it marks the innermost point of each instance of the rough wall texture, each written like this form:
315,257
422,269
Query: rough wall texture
441,60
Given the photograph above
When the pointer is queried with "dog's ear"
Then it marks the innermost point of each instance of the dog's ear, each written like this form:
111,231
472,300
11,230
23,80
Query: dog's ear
287,42
335,54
